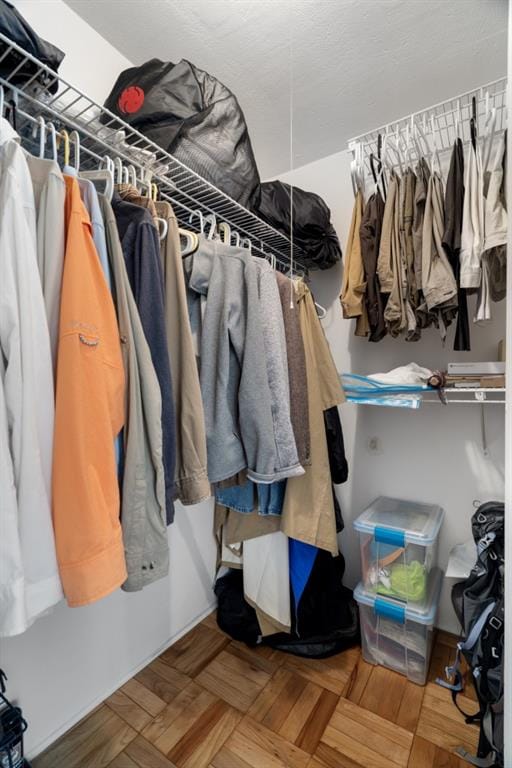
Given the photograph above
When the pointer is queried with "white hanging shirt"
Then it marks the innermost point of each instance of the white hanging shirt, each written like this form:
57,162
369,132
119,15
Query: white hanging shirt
495,228
495,212
472,236
49,197
27,388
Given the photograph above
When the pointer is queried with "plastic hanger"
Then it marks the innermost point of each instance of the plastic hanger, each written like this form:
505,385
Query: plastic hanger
132,175
201,220
103,174
2,101
74,139
118,170
211,219
125,175
64,135
458,120
42,135
225,233
245,242
50,128
163,224
436,146
192,242
391,146
489,131
236,236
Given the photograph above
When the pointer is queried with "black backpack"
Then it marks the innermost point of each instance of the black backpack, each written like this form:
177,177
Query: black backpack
479,604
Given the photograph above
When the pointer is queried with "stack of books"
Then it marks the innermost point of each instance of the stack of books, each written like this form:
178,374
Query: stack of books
476,375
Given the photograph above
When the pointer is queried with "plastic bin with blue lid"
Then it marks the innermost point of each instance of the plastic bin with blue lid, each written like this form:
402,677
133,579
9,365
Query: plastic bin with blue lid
399,548
398,636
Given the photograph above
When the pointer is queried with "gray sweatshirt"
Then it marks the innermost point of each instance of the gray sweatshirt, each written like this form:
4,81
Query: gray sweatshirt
234,379
274,340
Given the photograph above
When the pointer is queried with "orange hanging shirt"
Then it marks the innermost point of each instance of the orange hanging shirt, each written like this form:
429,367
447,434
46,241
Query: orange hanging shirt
89,413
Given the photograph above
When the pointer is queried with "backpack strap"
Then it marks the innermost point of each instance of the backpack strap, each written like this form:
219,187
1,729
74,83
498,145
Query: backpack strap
489,761
465,645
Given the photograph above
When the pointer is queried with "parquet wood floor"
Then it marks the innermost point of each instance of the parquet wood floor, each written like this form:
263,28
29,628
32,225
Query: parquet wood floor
209,702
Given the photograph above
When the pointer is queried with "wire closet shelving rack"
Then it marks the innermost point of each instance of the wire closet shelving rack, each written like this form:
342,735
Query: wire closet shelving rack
446,120
39,92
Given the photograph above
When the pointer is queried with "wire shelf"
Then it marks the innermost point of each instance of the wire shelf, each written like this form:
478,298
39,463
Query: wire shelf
446,116
34,84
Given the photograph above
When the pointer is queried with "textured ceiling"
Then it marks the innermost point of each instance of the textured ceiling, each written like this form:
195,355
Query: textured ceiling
356,63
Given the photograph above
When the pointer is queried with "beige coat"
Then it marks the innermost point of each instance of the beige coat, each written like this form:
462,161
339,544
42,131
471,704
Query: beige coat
353,291
308,509
191,478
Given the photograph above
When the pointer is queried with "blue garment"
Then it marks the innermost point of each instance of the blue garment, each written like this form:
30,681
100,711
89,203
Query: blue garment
242,498
90,200
302,558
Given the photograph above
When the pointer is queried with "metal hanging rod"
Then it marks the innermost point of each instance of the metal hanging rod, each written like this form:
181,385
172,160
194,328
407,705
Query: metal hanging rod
69,107
450,118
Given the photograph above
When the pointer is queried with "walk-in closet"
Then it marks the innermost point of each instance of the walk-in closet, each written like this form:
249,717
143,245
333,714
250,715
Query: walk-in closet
255,403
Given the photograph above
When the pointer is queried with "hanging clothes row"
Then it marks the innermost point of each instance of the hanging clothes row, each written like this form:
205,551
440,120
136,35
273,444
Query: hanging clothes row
417,247
137,371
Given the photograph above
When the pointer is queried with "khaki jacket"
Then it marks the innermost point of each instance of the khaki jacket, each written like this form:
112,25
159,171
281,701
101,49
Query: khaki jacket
191,477
308,509
353,291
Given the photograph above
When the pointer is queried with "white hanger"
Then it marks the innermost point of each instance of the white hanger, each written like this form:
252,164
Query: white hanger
118,170
132,174
420,134
53,134
211,219
321,311
2,101
201,220
163,227
245,242
390,145
103,174
74,139
237,238
435,151
458,120
125,175
225,232
42,135
489,131
191,244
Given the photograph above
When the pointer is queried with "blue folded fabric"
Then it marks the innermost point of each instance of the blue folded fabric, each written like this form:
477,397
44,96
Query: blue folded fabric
302,558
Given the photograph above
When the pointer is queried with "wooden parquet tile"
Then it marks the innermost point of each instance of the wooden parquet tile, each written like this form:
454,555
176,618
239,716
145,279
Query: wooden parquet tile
210,702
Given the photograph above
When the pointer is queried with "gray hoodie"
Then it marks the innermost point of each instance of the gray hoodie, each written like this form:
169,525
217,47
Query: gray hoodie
234,379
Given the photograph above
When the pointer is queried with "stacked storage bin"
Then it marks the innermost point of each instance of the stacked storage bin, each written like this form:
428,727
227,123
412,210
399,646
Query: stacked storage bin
399,593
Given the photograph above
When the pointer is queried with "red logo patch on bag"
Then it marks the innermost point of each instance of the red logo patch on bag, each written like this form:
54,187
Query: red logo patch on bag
131,100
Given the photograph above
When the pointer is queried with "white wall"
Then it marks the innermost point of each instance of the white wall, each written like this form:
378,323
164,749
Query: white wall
433,454
73,658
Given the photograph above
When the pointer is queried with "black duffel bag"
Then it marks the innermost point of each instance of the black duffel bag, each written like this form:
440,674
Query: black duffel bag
14,26
313,232
194,117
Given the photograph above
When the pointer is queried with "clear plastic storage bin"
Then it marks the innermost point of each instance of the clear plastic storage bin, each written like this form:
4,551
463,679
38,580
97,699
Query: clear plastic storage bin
399,548
397,636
